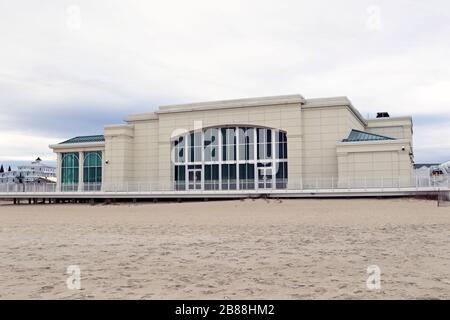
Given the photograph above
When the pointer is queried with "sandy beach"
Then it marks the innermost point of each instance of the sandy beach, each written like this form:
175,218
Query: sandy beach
252,249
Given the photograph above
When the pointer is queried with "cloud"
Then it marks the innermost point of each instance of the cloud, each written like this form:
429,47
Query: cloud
36,146
64,74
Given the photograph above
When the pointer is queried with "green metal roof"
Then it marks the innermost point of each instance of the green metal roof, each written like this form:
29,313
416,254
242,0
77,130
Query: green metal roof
356,135
85,139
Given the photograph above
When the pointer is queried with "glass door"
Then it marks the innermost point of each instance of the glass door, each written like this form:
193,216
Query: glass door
265,178
195,179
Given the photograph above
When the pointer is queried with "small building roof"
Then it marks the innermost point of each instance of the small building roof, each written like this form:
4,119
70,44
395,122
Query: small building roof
425,165
357,135
85,139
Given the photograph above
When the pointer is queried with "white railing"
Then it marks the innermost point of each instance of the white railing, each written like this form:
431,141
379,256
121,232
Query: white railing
232,186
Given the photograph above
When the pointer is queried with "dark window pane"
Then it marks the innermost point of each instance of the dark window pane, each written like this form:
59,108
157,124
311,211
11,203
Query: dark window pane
224,152
250,171
215,172
208,172
279,170
242,171
181,155
224,136
232,171
225,172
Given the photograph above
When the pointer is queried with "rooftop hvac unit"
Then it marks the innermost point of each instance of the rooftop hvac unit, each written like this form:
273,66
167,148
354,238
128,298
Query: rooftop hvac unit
382,115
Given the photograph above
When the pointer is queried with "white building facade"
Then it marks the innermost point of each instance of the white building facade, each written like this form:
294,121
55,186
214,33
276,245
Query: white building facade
283,142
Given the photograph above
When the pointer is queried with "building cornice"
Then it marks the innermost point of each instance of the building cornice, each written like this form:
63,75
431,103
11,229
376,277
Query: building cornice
237,103
126,130
390,122
73,146
400,145
404,118
334,102
148,116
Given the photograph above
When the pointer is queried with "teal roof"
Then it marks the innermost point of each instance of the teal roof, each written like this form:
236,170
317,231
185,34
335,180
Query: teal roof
356,135
85,139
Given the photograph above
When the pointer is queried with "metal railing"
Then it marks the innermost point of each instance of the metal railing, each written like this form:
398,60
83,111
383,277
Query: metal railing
233,186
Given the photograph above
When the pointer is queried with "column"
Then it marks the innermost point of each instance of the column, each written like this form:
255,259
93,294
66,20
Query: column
255,157
236,134
103,169
275,168
219,152
80,171
58,171
202,143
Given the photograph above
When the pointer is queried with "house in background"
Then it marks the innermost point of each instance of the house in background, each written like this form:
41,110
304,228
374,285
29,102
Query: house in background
432,169
35,172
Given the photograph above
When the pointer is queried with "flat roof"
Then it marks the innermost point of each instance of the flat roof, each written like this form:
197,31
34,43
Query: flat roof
250,102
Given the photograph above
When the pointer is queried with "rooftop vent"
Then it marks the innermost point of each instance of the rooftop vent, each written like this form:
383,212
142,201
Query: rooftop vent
382,115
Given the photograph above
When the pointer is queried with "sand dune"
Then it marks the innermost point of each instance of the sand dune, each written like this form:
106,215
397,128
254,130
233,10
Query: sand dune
291,249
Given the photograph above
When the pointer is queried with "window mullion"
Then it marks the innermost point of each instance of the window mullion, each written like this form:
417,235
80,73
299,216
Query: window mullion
237,157
220,156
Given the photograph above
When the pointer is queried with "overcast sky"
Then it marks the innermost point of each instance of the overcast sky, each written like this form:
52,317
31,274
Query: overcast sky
68,68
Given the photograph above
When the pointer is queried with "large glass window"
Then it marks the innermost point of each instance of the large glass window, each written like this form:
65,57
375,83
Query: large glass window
92,170
70,171
179,149
212,177
195,146
228,144
180,177
247,176
246,143
230,158
211,144
228,176
281,175
281,145
264,138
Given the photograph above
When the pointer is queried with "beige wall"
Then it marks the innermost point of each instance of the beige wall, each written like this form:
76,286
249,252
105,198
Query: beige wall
399,128
322,128
145,152
374,163
119,142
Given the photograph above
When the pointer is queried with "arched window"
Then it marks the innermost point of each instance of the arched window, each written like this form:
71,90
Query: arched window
92,170
230,158
69,171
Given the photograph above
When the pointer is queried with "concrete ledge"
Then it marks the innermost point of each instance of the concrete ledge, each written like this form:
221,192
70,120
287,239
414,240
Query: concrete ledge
310,193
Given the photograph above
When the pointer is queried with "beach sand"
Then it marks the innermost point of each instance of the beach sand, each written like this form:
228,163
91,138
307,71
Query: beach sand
252,249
